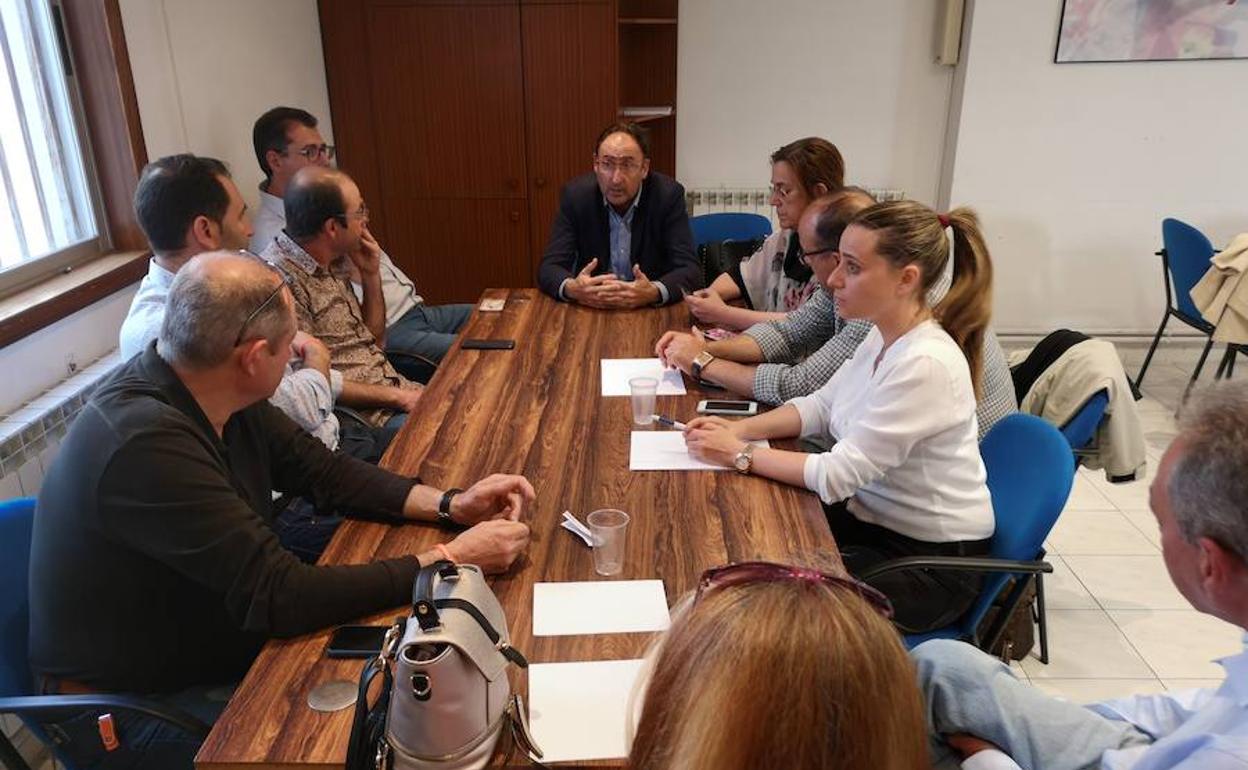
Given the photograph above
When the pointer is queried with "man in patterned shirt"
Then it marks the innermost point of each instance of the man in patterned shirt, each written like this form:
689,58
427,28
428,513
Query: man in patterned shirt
779,360
327,221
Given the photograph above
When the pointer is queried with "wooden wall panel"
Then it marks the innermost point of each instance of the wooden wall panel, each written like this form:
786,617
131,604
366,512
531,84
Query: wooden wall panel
570,88
448,100
648,66
455,248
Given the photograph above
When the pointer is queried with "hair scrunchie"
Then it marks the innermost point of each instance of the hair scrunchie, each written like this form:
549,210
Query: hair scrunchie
944,219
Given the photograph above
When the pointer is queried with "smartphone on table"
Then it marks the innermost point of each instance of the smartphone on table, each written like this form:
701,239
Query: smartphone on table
356,641
715,406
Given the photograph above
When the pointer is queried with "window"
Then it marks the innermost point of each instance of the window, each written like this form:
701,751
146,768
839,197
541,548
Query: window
48,204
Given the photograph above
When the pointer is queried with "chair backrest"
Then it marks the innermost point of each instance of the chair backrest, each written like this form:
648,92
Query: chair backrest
1188,252
728,225
17,519
719,257
1030,472
1081,428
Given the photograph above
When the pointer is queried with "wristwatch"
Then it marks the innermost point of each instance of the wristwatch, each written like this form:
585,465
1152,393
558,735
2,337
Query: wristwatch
444,506
700,362
744,459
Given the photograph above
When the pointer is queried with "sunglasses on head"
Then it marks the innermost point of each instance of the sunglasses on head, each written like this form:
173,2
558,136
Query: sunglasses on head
718,578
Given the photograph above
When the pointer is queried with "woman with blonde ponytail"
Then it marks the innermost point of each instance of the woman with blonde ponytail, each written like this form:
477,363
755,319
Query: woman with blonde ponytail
904,477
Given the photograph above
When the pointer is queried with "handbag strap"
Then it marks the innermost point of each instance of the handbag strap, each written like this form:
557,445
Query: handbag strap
509,652
423,608
368,724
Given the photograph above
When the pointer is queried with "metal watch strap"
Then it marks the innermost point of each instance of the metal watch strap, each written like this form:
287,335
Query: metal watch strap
747,452
700,362
444,505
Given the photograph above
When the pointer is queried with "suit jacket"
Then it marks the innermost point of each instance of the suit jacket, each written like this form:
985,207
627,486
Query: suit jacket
662,243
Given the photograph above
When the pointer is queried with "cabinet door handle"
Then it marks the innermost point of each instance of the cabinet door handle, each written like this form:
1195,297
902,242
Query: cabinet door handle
540,182
515,216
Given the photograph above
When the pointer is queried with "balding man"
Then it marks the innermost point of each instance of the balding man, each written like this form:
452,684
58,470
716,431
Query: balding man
984,717
326,231
154,565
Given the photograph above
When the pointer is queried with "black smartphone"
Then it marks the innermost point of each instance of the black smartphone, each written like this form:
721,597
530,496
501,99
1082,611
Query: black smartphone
477,344
356,641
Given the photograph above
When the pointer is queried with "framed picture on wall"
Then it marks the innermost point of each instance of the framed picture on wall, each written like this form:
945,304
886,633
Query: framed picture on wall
1152,30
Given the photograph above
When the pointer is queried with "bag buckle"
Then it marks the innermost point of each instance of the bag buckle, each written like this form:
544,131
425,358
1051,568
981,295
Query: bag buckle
389,644
383,754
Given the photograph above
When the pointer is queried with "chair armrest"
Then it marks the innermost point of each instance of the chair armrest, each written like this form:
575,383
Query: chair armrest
415,358
38,704
956,563
346,413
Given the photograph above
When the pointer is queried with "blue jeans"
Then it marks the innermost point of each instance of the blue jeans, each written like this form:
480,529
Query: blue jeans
145,742
426,330
968,691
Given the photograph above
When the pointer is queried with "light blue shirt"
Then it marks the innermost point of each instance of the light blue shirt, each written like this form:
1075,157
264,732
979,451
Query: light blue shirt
621,227
1199,729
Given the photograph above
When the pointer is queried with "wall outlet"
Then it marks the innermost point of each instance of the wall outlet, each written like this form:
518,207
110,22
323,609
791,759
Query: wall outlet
71,364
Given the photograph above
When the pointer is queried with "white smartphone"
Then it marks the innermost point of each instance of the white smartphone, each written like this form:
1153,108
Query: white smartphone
727,407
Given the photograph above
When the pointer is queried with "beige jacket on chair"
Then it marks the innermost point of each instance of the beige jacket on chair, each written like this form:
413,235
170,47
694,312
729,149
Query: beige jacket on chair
1066,385
1222,294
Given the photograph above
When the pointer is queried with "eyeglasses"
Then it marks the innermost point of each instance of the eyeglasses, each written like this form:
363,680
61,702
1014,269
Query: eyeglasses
610,165
313,151
782,191
361,214
286,281
804,256
718,578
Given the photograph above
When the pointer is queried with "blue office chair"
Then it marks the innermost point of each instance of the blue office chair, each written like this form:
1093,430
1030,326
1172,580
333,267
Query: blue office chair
729,225
1030,473
1080,430
17,518
1184,261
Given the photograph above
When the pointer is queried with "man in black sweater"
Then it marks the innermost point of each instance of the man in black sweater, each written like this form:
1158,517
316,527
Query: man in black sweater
154,565
621,238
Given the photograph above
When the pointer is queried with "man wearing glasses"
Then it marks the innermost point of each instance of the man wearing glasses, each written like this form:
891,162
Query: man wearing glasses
327,220
154,564
621,238
286,140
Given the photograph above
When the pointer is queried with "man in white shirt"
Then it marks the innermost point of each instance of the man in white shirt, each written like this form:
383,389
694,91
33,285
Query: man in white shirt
286,139
980,714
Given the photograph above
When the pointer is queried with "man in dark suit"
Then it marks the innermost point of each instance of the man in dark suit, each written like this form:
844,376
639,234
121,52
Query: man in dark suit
618,226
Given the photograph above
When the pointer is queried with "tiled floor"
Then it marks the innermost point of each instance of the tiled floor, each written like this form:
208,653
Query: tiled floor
1117,625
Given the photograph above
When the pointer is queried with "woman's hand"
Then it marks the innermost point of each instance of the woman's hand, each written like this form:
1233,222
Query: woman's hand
714,440
707,306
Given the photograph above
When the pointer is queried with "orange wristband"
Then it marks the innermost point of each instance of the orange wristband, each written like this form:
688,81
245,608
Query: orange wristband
446,552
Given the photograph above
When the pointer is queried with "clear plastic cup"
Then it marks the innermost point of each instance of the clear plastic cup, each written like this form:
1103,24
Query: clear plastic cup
643,391
609,527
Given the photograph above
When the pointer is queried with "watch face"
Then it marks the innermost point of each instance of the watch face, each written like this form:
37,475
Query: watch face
742,462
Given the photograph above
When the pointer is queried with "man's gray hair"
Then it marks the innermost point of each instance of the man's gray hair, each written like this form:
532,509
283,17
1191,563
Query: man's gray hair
209,303
1208,485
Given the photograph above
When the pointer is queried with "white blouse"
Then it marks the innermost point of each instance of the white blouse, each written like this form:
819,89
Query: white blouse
906,453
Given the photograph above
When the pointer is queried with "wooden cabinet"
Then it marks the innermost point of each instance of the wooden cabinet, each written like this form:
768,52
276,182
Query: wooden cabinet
647,61
461,120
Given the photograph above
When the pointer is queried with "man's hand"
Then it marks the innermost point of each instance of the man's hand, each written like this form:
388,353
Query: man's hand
587,288
713,440
491,545
677,349
404,399
367,257
311,351
499,496
639,292
968,745
707,306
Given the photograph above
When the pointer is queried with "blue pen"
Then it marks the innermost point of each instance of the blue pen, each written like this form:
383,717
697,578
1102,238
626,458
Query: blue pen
669,422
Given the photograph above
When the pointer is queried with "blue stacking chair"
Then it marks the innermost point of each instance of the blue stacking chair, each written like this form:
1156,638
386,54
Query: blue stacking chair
1185,256
1080,430
728,226
1030,473
17,518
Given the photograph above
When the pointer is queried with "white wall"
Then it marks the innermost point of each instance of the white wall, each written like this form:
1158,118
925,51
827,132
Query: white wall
753,76
36,363
1073,166
204,71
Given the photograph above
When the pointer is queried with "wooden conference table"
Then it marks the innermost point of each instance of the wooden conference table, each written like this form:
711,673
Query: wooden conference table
538,411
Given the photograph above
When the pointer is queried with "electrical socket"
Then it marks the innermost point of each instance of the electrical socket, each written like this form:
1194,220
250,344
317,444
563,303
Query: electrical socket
71,364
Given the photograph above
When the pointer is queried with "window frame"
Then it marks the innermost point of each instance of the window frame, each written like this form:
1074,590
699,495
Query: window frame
107,115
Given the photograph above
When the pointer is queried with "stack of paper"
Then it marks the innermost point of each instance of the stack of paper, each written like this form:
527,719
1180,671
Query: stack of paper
599,607
579,711
665,450
616,372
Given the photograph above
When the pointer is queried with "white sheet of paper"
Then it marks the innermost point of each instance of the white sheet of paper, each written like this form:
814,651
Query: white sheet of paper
599,607
577,711
616,372
664,450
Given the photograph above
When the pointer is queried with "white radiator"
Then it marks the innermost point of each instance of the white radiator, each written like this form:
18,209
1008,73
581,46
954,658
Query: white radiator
707,200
